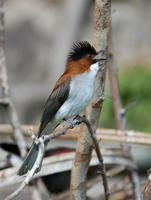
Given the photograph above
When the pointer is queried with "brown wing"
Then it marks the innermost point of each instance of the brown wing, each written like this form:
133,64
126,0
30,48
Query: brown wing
54,102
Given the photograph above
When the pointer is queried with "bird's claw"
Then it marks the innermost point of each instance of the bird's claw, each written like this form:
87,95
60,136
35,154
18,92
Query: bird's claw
79,119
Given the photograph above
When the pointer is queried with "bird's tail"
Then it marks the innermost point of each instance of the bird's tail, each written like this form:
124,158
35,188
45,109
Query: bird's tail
29,161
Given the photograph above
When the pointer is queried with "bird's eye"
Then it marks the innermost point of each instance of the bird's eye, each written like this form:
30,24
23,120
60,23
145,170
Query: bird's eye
89,56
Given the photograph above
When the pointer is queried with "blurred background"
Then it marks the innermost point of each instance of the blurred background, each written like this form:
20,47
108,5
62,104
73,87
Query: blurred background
39,34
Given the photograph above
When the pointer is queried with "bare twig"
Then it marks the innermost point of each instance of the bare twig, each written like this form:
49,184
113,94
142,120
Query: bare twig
5,96
30,173
121,120
100,158
130,105
5,99
116,99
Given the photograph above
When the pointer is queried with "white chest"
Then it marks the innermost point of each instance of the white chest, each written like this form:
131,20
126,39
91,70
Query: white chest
81,92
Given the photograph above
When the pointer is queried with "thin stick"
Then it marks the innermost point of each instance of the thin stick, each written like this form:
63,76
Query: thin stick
30,173
121,120
100,158
5,99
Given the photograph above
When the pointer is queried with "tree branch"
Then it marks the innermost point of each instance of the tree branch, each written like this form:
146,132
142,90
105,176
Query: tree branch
5,99
121,120
40,141
85,143
69,125
99,155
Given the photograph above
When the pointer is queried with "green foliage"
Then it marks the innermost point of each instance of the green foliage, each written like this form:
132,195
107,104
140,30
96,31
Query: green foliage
135,85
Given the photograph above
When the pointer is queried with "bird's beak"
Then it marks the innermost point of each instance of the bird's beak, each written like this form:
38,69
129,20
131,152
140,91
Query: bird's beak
100,52
99,59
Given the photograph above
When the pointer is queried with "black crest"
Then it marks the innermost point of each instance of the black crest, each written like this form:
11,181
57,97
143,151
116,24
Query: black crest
80,49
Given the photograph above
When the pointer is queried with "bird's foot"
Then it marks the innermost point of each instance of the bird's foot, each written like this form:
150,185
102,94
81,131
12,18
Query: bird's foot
79,119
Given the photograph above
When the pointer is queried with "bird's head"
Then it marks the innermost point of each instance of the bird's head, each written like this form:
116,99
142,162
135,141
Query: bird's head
83,57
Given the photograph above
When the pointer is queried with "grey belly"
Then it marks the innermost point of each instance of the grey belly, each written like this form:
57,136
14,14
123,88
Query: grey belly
74,105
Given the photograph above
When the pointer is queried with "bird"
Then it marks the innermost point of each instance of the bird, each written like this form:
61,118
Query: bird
70,96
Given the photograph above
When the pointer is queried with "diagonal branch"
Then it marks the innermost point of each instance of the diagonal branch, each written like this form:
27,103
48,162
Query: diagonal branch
40,141
41,152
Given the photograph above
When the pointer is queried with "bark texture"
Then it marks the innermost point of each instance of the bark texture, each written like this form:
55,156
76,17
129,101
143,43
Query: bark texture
85,144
